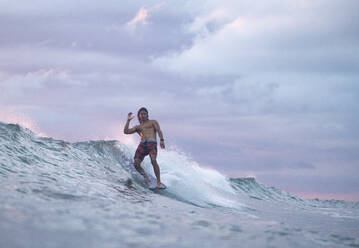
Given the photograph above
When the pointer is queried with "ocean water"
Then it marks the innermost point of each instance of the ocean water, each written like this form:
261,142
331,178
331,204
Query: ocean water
59,194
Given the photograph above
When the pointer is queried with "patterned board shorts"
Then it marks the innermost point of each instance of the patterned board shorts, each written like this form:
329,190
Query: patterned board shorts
146,148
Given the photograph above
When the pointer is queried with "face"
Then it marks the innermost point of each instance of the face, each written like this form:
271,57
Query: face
143,115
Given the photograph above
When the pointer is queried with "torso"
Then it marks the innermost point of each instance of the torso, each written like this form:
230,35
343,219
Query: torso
148,130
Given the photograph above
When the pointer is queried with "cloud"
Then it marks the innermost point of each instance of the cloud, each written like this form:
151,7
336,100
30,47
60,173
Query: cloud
203,25
241,91
18,86
301,165
142,16
292,38
13,115
264,87
98,30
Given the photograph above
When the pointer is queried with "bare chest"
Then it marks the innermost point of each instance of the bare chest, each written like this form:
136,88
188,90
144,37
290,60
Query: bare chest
148,126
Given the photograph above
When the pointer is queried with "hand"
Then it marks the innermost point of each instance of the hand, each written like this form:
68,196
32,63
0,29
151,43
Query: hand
162,144
130,116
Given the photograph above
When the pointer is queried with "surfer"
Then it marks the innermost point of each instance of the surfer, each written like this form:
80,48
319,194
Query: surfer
148,145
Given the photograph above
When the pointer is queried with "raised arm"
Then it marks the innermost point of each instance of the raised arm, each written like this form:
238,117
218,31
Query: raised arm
158,130
128,130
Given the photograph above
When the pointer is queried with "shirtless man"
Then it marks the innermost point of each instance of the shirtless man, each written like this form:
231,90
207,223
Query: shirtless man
148,145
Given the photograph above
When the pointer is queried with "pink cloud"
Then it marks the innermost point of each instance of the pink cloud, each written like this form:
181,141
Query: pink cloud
142,15
16,117
140,18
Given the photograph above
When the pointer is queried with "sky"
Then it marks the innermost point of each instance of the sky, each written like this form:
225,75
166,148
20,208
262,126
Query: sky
266,88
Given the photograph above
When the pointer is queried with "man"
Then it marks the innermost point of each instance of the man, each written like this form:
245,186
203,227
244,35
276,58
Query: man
148,145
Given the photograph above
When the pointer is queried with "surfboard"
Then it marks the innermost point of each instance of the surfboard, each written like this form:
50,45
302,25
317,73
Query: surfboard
153,183
153,187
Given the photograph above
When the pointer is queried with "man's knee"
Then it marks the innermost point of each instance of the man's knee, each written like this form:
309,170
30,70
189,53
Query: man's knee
137,162
153,159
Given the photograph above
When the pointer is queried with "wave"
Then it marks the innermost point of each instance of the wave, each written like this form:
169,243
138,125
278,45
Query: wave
53,169
59,169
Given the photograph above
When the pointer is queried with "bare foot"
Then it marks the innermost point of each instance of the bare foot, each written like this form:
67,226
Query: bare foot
159,186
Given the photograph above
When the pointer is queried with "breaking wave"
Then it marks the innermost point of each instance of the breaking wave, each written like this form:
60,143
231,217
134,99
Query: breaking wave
56,169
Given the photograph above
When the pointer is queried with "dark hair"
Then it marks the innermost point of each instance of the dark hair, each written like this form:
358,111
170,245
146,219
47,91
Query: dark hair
138,113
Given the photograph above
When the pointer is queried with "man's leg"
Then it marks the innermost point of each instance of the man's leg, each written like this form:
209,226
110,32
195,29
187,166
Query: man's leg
156,169
138,167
